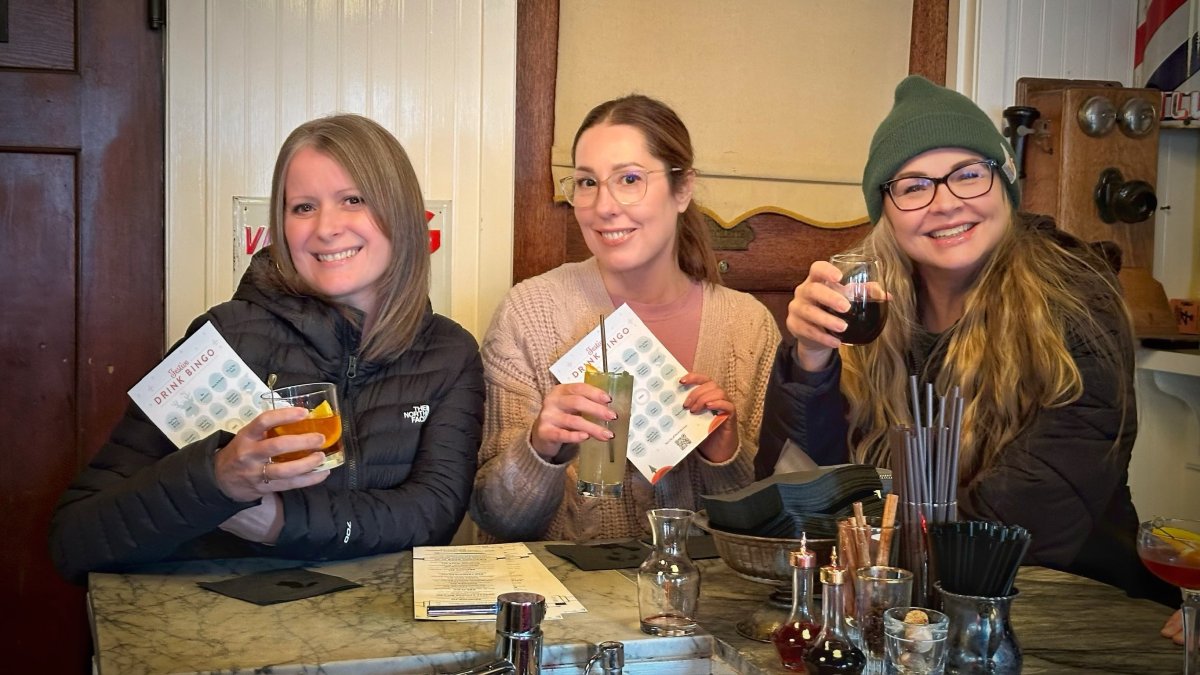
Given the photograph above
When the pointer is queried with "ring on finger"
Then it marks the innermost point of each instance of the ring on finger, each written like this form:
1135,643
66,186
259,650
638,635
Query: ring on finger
266,479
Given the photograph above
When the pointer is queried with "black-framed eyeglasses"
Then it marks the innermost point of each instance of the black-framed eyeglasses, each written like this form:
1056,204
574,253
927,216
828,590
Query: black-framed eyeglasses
627,186
966,182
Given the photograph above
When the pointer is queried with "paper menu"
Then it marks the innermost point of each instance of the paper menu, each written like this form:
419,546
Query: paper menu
470,578
661,431
201,387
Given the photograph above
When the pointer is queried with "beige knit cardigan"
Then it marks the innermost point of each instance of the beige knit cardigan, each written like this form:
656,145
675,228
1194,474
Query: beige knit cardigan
521,497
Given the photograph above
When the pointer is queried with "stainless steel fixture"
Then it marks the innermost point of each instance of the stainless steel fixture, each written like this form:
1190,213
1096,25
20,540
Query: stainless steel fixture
518,636
609,659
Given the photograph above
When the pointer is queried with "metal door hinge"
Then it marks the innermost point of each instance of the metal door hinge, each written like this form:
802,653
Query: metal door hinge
157,10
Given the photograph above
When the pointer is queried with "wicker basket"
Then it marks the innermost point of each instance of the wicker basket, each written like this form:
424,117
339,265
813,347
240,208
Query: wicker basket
761,559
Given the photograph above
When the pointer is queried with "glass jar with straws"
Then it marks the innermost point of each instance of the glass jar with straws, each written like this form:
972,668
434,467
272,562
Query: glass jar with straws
924,462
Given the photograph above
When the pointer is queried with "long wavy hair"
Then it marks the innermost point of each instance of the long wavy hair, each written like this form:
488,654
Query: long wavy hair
1009,353
667,139
381,170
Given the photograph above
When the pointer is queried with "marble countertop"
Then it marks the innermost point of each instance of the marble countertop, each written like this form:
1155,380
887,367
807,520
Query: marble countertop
160,621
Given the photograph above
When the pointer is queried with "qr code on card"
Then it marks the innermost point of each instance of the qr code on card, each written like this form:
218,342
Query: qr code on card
683,442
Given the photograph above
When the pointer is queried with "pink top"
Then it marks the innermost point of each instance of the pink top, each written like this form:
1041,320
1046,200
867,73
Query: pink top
676,324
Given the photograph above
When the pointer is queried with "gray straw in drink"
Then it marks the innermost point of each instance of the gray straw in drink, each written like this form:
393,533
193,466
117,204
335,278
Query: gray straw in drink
603,347
612,457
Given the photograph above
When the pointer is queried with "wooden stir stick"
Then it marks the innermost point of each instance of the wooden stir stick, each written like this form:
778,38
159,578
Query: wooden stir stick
862,536
887,529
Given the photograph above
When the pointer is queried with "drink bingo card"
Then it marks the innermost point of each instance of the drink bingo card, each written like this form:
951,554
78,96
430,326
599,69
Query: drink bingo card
661,431
201,387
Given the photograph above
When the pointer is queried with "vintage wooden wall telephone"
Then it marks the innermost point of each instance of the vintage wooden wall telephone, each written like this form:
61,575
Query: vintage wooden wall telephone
1088,153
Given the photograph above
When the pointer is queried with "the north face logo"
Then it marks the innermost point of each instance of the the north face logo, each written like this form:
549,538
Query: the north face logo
418,414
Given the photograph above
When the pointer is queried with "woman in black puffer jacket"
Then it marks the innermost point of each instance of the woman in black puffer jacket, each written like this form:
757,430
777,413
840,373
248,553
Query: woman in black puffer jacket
340,296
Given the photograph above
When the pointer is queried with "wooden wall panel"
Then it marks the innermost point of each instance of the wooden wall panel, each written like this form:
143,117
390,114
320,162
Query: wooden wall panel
81,213
539,228
927,55
1005,40
39,224
40,35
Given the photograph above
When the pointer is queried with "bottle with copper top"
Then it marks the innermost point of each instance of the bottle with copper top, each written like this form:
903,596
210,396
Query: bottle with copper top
795,636
832,652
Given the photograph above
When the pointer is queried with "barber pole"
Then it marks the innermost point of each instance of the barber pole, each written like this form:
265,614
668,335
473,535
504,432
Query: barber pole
1167,54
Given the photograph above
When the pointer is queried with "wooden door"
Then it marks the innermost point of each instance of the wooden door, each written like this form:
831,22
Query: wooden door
545,234
81,268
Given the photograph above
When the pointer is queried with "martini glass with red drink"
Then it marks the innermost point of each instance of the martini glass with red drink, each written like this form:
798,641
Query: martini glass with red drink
1170,548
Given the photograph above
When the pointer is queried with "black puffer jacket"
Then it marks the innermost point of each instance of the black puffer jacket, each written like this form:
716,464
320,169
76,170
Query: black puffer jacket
406,481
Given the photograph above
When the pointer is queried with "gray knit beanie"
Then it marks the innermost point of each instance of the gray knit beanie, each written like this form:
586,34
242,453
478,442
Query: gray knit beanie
926,116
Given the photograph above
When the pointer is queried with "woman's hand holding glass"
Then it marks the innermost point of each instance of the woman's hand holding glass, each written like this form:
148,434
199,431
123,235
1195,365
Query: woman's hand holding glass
722,443
842,301
561,421
244,469
810,317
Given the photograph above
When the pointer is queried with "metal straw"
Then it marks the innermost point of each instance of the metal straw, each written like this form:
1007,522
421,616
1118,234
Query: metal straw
612,455
603,347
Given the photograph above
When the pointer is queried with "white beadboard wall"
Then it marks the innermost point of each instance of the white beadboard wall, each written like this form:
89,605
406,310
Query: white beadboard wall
241,74
1000,41
995,42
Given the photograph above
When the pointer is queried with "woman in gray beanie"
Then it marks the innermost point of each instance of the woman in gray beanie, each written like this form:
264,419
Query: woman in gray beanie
1026,320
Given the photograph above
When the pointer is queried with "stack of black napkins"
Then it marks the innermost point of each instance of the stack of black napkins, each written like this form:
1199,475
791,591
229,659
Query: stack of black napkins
788,504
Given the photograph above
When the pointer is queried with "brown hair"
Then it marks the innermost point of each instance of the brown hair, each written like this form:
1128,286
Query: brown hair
667,139
380,169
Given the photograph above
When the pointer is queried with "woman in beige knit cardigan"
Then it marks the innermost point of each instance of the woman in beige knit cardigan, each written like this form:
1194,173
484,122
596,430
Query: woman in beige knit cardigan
632,194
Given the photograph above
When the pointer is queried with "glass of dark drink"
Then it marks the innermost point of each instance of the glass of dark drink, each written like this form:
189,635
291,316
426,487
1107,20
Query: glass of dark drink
862,285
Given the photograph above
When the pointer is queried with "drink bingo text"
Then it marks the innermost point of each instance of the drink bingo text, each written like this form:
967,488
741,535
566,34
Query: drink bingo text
181,372
593,351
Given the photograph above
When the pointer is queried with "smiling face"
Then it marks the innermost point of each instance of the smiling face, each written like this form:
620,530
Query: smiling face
951,237
334,241
629,238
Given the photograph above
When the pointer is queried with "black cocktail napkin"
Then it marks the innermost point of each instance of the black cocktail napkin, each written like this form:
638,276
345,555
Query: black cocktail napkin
827,490
275,586
626,554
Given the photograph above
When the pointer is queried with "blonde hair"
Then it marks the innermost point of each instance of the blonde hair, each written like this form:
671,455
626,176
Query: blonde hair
667,139
1009,353
381,171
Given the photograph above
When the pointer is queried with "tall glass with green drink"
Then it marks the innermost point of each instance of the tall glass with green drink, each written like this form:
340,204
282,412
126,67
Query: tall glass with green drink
601,466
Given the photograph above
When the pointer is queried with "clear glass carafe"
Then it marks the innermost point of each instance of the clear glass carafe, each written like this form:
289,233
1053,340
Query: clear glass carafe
668,581
796,634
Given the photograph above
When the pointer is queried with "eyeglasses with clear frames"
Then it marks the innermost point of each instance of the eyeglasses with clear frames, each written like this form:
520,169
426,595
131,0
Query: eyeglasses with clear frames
912,193
627,186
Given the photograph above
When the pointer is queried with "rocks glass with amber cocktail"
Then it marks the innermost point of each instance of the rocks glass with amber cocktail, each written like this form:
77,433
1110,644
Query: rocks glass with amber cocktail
321,402
1170,548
